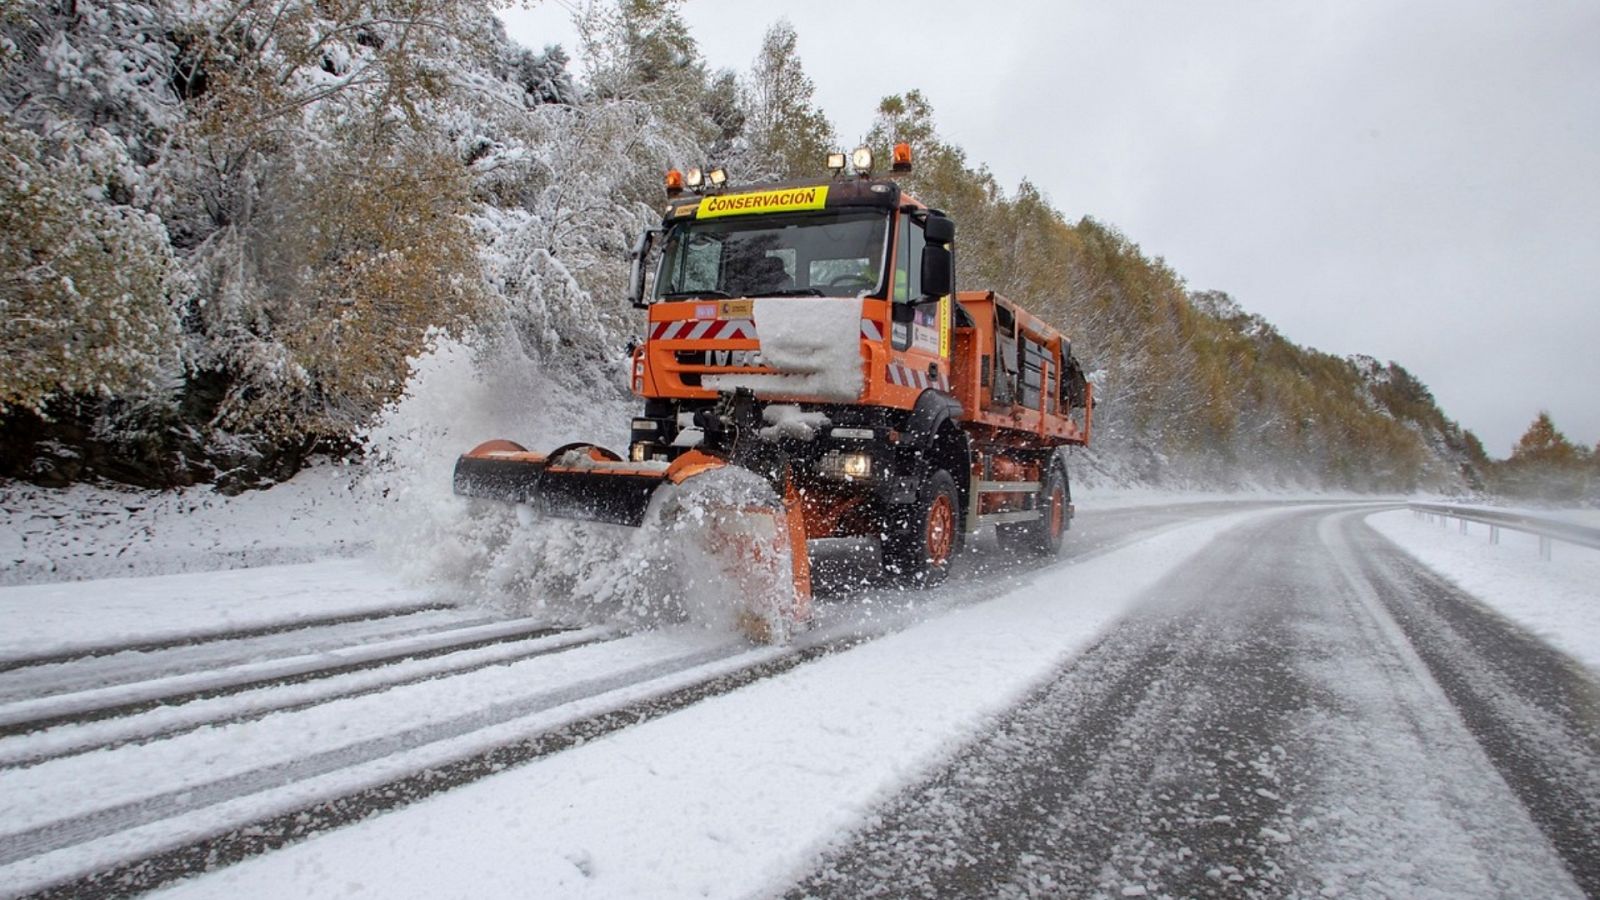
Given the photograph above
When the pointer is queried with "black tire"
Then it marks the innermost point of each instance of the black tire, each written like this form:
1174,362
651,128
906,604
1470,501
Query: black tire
923,543
1043,536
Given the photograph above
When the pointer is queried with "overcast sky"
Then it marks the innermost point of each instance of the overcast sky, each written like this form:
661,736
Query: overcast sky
1416,181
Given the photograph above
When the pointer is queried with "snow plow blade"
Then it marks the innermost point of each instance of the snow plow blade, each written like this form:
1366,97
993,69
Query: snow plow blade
757,550
577,481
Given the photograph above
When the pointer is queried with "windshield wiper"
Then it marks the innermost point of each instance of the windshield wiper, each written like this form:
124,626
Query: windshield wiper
688,295
791,292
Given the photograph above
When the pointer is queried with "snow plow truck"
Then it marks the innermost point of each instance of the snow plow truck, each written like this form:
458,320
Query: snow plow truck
810,334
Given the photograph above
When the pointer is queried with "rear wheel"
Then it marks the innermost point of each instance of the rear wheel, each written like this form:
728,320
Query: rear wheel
920,550
1042,536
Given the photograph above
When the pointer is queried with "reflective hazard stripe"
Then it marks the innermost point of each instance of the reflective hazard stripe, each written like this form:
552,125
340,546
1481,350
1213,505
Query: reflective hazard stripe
704,330
869,330
906,376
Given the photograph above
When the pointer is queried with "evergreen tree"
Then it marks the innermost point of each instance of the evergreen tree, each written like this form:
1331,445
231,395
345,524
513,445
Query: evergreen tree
788,133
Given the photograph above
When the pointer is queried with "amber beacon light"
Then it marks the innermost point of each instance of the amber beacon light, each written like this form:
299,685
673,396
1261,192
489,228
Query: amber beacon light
901,159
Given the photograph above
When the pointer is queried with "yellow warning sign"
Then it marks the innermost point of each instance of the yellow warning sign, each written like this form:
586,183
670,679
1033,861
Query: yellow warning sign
782,200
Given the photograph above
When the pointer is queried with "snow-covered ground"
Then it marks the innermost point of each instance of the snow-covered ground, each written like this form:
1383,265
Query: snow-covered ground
93,532
655,809
1126,497
661,810
1557,599
76,617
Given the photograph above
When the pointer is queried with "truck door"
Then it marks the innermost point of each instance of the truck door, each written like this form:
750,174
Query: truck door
921,332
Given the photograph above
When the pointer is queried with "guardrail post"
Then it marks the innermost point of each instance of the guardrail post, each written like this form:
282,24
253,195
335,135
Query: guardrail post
1494,534
1544,547
1463,526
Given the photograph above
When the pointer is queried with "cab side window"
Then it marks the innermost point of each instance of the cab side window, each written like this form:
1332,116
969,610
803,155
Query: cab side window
908,245
908,260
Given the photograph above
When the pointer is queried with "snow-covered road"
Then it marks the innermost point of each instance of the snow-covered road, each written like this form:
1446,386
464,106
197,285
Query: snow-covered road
1198,698
1300,711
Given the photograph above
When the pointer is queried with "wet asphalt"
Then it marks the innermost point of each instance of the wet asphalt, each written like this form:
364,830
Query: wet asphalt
1302,711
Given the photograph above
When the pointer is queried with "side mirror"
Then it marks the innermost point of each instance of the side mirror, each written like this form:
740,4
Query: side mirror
939,230
641,252
936,274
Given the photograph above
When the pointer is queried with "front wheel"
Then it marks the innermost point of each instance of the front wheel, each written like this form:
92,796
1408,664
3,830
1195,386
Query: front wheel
920,550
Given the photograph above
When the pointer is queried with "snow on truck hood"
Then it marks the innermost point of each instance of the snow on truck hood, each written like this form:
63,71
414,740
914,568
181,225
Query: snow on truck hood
814,343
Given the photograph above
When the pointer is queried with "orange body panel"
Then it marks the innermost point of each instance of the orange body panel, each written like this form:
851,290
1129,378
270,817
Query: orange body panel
1046,424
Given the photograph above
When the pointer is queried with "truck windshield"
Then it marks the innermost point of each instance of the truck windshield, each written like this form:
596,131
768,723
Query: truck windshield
824,253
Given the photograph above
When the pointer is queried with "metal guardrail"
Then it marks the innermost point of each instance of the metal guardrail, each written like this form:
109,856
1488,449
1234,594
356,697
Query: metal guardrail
1548,530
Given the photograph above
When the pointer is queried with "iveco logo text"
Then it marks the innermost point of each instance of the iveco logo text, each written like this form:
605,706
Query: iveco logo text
750,358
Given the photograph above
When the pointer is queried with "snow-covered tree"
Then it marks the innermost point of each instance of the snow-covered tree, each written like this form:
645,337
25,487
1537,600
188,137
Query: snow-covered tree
88,288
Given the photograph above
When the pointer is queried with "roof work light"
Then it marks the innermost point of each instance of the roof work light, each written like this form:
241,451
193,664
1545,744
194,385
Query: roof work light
718,176
836,162
861,160
694,178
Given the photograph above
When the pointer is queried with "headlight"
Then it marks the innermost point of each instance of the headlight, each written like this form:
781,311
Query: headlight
845,466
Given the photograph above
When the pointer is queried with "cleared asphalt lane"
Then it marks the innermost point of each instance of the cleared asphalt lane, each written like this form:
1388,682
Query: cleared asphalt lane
1302,711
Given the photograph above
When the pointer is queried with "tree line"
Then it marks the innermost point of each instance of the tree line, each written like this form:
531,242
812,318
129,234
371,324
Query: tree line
226,226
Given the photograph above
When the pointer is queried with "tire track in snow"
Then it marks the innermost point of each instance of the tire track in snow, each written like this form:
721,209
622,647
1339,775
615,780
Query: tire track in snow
1535,711
232,846
121,817
1258,730
407,671
1150,764
202,637
124,700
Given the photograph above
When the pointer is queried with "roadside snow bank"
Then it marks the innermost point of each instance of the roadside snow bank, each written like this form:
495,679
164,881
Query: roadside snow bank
739,793
49,534
1103,496
1557,599
50,619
